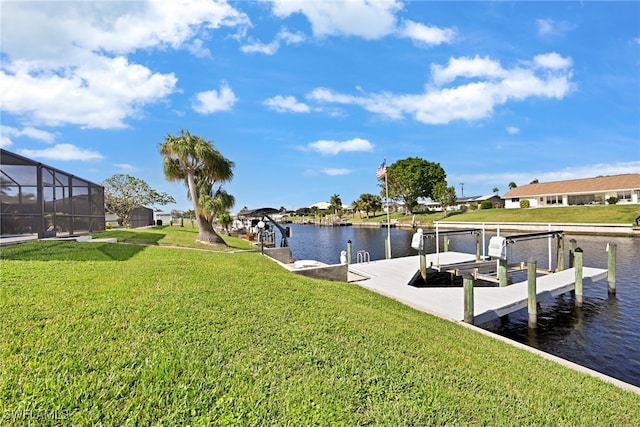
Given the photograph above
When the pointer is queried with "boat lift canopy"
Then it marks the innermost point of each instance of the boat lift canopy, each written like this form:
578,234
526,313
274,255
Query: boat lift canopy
265,212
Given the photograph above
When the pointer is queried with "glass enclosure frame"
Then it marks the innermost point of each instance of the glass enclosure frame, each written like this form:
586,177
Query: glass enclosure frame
39,199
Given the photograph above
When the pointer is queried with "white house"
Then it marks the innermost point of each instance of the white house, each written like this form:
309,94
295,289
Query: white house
573,192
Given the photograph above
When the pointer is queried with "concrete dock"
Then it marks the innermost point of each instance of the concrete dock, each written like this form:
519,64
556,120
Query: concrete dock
391,278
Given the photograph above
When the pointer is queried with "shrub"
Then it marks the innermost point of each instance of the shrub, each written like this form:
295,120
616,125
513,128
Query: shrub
612,200
473,206
463,208
486,204
525,203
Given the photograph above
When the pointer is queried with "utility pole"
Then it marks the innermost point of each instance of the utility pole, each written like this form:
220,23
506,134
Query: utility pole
462,189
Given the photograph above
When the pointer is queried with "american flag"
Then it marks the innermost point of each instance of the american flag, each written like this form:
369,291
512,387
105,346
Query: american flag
382,170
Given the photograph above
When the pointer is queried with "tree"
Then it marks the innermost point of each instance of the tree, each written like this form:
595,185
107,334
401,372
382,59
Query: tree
512,185
225,220
535,181
369,203
496,190
444,195
123,193
335,203
412,178
194,161
214,204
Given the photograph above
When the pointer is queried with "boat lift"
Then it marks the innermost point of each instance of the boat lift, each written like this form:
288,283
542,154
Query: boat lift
264,213
496,262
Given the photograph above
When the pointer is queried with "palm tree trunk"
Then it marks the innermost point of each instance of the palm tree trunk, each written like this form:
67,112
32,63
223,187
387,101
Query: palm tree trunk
206,234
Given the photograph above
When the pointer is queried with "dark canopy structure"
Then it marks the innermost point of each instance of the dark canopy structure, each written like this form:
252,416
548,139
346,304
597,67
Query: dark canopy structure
39,199
264,213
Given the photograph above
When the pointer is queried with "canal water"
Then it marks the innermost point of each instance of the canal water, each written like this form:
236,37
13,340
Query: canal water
603,335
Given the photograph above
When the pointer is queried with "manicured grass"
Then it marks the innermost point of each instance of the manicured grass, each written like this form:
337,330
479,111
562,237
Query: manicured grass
172,236
568,214
111,334
609,214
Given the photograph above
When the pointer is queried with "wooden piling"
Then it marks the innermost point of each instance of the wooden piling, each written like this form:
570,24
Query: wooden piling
478,247
502,272
423,264
446,243
560,262
532,300
572,248
386,249
468,281
349,252
612,248
578,266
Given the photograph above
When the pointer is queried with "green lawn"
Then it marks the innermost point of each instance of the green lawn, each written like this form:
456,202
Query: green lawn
113,334
568,214
608,214
172,236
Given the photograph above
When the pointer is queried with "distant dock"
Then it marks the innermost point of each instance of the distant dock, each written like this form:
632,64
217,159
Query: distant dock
391,277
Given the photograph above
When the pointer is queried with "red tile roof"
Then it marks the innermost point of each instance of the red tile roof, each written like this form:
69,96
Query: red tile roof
629,181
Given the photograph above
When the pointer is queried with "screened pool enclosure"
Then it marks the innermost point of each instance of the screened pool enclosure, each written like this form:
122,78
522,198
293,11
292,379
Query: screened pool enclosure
39,199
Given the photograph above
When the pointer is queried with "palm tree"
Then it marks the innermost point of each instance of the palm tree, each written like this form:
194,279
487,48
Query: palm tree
190,158
512,185
335,204
496,190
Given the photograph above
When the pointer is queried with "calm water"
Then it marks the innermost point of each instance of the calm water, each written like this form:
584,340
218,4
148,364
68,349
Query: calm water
604,335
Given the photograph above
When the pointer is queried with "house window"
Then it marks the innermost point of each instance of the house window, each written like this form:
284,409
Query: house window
624,195
554,200
515,199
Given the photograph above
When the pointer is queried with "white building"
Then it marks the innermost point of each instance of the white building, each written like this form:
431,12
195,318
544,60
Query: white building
587,191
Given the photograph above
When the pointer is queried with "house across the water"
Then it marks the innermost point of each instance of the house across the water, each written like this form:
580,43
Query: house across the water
625,189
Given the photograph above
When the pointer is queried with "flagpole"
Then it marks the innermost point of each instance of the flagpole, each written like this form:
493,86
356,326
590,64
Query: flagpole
386,189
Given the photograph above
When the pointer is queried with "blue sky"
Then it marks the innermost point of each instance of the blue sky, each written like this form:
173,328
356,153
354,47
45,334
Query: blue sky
307,98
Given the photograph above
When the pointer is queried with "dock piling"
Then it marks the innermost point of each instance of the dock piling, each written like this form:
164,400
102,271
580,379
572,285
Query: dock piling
446,243
532,300
468,282
560,261
477,247
612,248
578,266
502,272
349,252
572,248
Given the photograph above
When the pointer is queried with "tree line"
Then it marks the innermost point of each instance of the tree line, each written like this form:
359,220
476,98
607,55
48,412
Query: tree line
203,169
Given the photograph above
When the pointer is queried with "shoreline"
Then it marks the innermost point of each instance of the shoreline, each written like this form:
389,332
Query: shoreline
596,229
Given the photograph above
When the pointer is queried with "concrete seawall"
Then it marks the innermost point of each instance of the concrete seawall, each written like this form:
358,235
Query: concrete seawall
627,230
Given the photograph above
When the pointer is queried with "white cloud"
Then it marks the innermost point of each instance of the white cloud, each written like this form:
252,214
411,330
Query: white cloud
551,27
369,19
424,34
197,49
9,132
100,93
286,104
545,26
336,171
125,167
326,147
62,152
553,61
212,101
468,68
512,130
486,85
271,48
66,62
5,141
